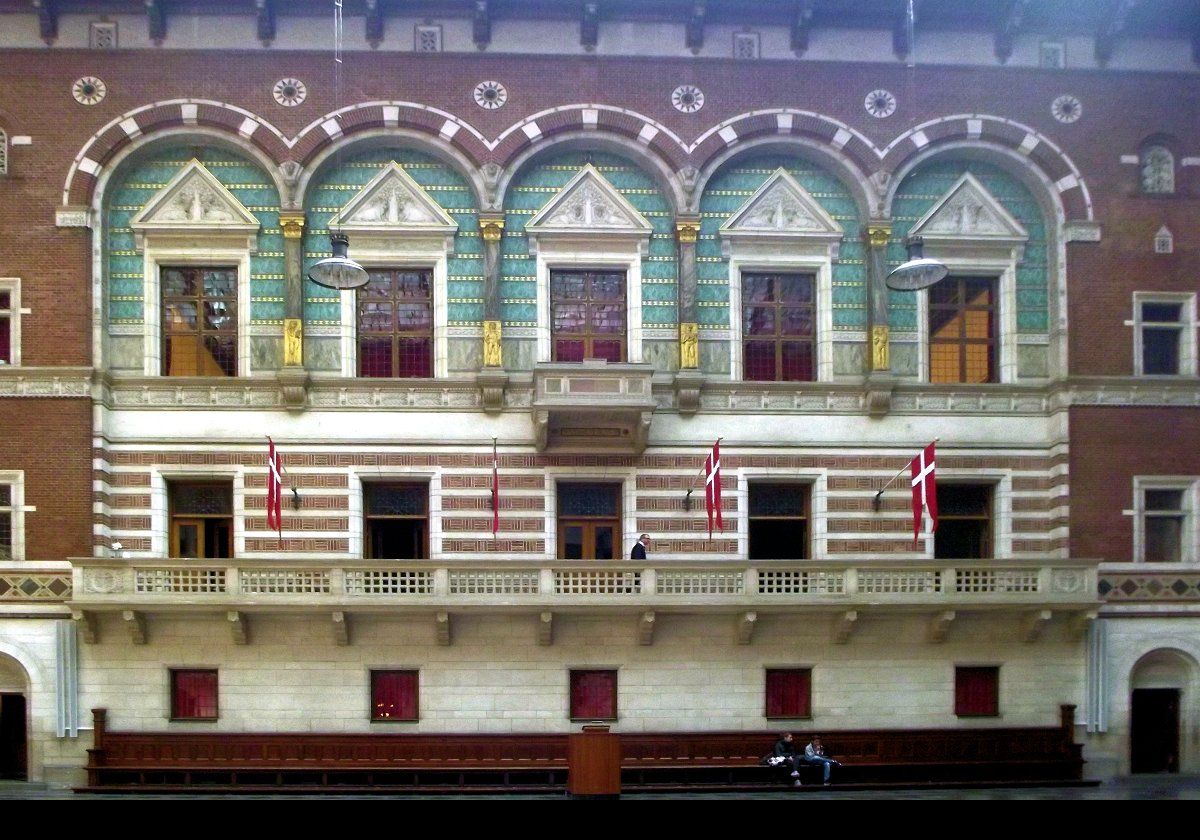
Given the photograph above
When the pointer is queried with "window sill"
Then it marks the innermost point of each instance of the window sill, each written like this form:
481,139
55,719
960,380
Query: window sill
194,719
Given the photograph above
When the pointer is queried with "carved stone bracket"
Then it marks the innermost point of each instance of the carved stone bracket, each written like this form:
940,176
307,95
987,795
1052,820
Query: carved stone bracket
136,623
87,624
646,628
879,394
293,387
441,628
745,627
843,626
341,628
688,385
237,627
1033,625
492,383
939,626
545,629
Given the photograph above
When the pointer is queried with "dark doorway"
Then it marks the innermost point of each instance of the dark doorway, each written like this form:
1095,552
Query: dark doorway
1154,730
397,521
12,737
589,521
778,526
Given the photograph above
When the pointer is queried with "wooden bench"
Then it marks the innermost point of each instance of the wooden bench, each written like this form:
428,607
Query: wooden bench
252,762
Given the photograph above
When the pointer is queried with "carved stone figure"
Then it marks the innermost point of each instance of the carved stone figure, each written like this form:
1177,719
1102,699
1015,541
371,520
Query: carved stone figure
779,210
588,207
392,205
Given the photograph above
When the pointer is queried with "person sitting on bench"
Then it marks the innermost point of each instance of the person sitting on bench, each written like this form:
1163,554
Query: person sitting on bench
814,753
785,755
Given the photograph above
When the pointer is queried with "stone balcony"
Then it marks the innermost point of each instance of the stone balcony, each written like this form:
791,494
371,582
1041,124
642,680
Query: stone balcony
593,405
1036,590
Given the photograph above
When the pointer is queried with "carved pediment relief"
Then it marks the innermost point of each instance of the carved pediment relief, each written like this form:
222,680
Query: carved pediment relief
393,203
194,201
781,209
969,213
588,205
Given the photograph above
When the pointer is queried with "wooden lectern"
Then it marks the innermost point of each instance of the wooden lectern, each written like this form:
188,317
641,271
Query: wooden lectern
594,763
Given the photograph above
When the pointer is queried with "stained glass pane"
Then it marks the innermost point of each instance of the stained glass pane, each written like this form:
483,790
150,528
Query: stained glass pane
397,499
608,287
569,317
759,320
211,498
568,350
756,288
193,694
566,285
796,321
414,358
178,282
608,318
759,364
767,499
794,288
413,316
608,350
588,500
220,283
217,315
797,361
944,363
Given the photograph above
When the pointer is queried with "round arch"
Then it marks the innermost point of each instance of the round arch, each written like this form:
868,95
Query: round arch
594,141
376,138
841,165
1164,699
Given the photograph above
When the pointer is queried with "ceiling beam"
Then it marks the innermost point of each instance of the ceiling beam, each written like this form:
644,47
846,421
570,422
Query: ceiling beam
1111,28
589,26
156,21
265,27
694,30
47,12
374,23
801,26
1010,26
481,24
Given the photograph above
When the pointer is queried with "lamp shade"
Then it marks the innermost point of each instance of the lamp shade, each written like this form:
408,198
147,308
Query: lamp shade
338,271
920,272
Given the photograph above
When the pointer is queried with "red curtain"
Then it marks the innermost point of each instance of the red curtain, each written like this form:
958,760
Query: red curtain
977,692
394,695
594,695
193,694
789,692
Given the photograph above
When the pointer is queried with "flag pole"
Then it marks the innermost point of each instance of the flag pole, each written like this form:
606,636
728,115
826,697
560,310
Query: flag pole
875,502
495,494
687,497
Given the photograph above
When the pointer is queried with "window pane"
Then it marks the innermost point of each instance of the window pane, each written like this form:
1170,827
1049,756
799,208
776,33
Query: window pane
608,287
1164,500
5,340
570,317
411,317
944,292
794,288
608,318
945,324
977,323
217,315
977,692
797,362
789,692
193,694
1160,350
220,283
1164,539
609,350
5,301
566,285
379,284
796,321
977,292
414,358
5,495
374,357
767,499
5,535
397,499
756,288
375,316
759,320
213,499
394,695
412,284
181,316
568,350
963,499
588,500
980,367
177,282
944,363
1162,312
759,364
220,356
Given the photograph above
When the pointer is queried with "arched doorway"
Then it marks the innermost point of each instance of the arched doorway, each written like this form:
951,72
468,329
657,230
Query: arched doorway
1159,687
14,715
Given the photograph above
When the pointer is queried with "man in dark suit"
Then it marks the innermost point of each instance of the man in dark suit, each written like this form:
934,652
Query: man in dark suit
639,548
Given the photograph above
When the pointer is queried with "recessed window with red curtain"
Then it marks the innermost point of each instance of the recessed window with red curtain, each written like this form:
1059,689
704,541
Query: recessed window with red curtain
193,694
789,692
977,691
593,695
395,695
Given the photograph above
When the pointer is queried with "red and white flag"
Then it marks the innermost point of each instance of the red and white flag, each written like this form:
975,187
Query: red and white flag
924,489
495,492
712,488
274,490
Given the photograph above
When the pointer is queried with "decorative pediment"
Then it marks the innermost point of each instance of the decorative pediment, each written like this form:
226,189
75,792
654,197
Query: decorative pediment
781,209
968,213
194,202
589,206
393,203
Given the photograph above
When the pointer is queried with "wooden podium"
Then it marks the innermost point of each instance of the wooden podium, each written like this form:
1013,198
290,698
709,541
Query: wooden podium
594,763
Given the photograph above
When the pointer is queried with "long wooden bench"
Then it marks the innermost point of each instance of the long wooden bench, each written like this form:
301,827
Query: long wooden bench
251,762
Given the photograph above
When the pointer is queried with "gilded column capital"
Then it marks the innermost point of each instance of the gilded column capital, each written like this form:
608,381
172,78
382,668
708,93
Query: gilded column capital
687,229
491,228
292,225
878,235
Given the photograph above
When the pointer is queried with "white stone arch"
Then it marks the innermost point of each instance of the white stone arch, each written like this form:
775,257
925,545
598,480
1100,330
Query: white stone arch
14,676
598,140
115,169
1181,654
376,138
841,165
1054,215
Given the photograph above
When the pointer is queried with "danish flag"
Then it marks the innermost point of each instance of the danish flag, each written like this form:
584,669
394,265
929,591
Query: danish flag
274,490
924,490
712,488
495,492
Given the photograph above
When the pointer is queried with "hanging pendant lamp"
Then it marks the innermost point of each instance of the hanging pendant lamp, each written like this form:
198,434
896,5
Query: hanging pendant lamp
338,271
919,272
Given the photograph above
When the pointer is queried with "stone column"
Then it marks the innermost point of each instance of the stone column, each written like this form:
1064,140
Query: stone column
492,379
687,230
293,377
689,379
879,376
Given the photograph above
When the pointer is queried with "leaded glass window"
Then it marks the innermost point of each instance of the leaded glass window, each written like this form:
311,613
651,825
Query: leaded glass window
199,321
1158,170
587,315
779,331
395,324
962,330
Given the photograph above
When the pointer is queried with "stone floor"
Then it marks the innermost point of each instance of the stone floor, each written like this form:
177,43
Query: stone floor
1131,787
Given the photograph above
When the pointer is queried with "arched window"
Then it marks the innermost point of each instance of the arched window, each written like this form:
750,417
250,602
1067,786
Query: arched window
1158,170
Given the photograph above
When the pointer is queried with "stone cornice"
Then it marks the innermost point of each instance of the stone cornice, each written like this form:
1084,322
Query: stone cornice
74,382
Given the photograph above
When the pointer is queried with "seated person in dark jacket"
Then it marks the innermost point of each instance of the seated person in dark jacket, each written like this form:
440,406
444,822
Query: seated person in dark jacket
785,748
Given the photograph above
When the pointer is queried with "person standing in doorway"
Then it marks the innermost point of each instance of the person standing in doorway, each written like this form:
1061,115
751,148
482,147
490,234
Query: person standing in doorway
640,547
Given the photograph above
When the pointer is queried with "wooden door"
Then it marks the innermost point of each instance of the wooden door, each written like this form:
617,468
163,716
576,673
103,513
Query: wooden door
1154,730
587,539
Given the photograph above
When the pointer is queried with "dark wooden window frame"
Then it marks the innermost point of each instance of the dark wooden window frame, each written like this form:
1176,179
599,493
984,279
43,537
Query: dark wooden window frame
174,518
415,673
589,523
199,300
807,485
990,517
395,334
174,698
589,336
961,705
781,714
571,677
779,338
367,516
961,341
